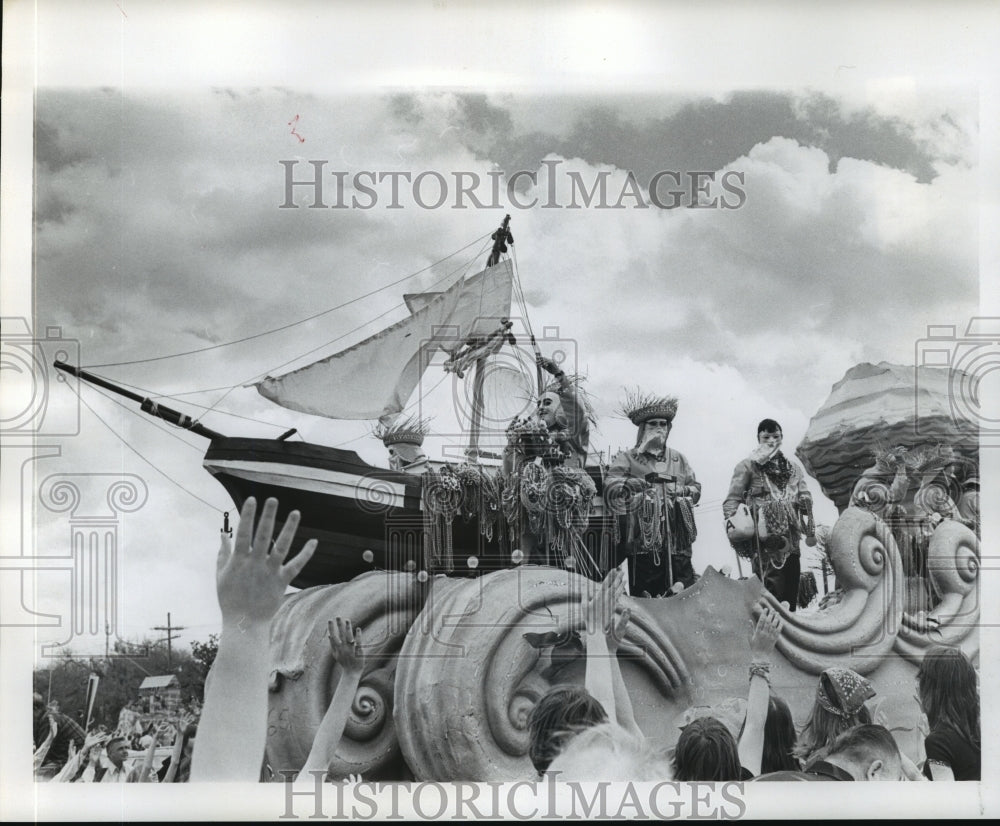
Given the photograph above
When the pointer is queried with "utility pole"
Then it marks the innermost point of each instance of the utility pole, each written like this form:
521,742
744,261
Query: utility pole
170,636
107,639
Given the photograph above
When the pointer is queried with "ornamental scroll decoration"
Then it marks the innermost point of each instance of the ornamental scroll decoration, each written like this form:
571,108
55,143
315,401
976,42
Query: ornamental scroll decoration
953,569
913,490
486,650
304,674
872,620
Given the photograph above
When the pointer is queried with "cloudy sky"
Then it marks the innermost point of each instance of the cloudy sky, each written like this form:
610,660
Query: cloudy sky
157,227
158,231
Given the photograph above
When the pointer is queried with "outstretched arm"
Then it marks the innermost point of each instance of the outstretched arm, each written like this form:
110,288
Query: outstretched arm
765,635
549,366
91,751
251,578
598,615
623,703
72,767
43,750
145,773
175,757
346,644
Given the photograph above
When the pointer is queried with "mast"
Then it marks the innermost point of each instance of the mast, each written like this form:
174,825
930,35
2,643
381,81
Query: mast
146,405
501,238
477,409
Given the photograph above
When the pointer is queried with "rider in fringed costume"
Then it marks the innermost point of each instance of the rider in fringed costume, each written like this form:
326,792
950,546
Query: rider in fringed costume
655,489
773,488
547,493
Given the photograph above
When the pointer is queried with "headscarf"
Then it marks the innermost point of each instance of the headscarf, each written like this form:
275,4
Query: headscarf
843,692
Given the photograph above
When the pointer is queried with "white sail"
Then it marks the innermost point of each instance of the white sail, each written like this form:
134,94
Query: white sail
376,377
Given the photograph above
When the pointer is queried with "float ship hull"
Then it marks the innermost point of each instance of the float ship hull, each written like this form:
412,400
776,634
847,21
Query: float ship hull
351,507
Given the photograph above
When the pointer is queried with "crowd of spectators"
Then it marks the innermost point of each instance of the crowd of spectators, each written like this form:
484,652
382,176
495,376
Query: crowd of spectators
839,740
582,732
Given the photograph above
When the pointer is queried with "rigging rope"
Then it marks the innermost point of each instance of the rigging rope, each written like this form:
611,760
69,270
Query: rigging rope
137,453
285,326
267,372
519,293
154,395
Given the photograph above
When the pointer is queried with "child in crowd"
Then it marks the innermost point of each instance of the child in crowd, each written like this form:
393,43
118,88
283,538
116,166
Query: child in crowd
779,738
839,705
707,749
609,752
566,710
562,712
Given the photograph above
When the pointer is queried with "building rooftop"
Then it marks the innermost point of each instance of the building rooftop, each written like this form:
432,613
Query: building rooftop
162,681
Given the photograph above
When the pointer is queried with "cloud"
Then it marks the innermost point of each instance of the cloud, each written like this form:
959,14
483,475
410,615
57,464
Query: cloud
633,132
159,231
820,268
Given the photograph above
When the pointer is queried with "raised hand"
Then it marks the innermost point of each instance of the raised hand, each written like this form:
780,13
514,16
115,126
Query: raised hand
92,745
547,364
180,724
251,576
599,605
766,632
616,634
345,642
763,452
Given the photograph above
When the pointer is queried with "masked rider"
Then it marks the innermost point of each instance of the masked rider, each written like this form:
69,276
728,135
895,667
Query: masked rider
655,486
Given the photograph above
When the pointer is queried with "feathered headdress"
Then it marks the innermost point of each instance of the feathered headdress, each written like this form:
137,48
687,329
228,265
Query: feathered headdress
409,430
641,407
